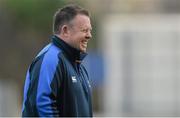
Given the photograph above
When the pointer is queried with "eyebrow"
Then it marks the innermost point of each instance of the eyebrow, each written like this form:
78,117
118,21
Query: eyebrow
86,28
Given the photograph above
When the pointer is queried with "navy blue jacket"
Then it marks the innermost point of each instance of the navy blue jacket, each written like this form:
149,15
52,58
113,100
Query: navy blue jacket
57,84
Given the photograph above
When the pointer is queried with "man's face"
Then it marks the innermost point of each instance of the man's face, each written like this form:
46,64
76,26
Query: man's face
80,32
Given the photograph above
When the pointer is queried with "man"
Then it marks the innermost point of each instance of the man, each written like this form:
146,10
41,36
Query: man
57,84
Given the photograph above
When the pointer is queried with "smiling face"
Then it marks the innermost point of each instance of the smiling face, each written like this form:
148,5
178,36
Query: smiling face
80,32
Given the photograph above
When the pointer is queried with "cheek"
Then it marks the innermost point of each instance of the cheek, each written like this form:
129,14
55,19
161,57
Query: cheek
75,39
79,37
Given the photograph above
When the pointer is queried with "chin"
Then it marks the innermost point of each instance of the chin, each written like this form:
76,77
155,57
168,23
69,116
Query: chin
83,50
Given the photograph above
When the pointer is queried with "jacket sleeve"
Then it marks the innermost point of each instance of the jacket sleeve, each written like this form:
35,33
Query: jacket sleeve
47,89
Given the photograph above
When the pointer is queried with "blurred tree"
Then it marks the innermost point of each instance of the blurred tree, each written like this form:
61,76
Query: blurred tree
25,24
36,14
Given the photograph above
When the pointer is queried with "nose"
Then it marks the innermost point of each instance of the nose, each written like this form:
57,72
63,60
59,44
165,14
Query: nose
88,35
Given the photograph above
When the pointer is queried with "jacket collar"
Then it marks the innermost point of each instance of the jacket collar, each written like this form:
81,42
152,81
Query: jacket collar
72,53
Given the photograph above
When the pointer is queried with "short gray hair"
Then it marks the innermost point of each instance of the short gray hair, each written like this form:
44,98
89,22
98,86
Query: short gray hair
65,15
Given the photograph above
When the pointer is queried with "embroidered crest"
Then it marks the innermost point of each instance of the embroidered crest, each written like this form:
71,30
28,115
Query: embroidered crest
74,79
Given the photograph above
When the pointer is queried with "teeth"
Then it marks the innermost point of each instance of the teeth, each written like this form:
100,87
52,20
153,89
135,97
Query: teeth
84,44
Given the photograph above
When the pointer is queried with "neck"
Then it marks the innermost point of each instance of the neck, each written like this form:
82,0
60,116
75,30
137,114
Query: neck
62,38
72,53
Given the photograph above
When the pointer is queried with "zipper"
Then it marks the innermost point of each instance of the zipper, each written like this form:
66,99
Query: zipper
81,77
78,71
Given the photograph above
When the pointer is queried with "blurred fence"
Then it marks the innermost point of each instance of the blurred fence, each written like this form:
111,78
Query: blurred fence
142,65
10,96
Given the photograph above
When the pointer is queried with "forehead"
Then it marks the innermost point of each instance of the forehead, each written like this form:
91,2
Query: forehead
81,21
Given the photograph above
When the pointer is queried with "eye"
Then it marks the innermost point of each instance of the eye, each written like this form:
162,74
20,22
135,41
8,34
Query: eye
86,30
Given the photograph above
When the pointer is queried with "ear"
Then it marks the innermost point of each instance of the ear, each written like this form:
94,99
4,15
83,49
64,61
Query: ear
65,30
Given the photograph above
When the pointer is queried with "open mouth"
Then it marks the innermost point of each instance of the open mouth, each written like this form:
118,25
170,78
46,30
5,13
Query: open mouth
84,43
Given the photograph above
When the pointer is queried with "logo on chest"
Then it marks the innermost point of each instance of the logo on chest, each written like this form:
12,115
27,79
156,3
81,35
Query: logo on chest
74,80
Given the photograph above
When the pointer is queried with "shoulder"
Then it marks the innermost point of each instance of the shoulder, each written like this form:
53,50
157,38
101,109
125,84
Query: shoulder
51,56
48,56
47,61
